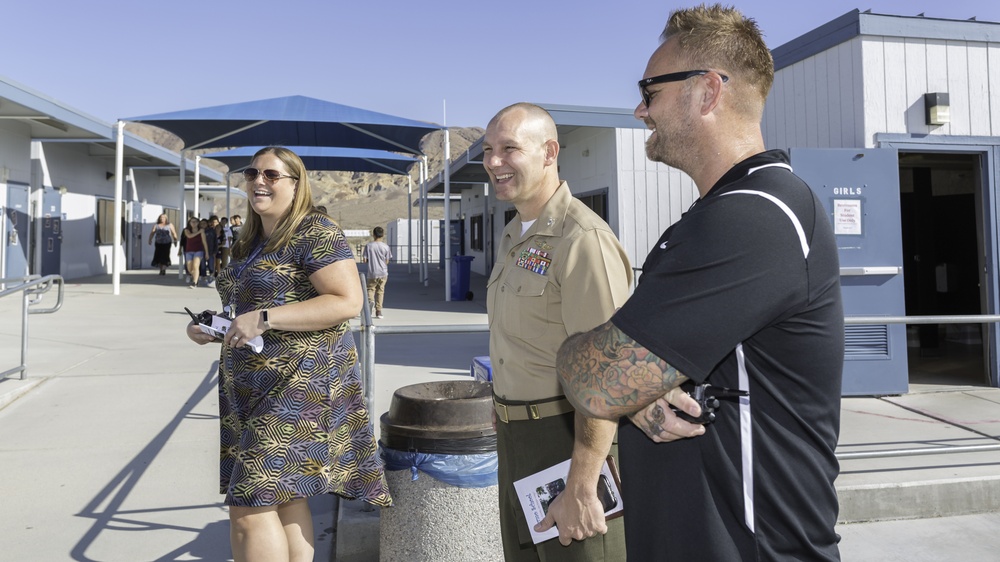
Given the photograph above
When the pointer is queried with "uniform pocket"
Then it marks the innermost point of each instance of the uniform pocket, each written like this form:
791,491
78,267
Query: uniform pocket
526,302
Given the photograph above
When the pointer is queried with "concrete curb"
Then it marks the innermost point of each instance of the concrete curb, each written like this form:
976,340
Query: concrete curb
12,389
357,532
918,500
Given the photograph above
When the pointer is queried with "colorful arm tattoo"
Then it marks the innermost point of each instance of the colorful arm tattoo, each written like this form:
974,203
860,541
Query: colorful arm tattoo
606,374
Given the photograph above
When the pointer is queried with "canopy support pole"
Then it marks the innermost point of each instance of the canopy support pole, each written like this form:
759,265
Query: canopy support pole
116,245
409,224
424,250
197,188
447,212
184,220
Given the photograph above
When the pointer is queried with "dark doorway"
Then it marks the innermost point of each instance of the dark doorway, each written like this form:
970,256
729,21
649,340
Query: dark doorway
941,220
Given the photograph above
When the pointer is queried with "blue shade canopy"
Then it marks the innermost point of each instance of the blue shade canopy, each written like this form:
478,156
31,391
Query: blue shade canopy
291,121
326,158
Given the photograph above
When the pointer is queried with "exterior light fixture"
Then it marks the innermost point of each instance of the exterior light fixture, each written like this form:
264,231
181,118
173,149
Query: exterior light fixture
936,109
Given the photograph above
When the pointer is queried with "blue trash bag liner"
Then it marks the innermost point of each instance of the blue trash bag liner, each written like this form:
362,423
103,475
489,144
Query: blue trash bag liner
464,471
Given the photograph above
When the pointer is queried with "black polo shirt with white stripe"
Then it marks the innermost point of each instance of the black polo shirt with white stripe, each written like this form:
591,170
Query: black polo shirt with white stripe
742,292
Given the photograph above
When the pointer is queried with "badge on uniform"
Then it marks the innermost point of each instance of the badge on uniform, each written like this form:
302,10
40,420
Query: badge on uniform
534,260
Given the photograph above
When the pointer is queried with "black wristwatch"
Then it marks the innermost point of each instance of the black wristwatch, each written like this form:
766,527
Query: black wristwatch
263,316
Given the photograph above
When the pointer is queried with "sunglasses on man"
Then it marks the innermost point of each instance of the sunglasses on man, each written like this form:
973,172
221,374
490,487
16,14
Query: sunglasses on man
250,174
647,96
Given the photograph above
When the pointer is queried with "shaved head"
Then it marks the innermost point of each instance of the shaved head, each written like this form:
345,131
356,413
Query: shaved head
520,153
535,121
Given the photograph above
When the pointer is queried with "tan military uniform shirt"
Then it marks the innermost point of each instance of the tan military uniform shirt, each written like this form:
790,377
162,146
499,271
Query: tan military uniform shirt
567,275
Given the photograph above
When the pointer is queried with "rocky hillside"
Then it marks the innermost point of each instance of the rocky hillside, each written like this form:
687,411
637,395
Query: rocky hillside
357,200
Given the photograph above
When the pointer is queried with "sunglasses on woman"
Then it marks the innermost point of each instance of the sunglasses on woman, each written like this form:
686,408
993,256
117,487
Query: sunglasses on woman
250,174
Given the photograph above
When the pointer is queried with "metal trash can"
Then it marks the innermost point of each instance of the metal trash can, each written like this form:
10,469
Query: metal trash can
439,447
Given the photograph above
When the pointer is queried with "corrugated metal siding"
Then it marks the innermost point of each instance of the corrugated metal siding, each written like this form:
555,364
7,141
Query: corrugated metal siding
898,72
844,96
817,102
652,196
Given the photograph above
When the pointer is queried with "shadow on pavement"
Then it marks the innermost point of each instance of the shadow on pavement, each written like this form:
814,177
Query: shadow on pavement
209,543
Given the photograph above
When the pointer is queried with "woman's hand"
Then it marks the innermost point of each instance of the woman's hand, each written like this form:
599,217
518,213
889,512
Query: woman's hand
195,334
244,328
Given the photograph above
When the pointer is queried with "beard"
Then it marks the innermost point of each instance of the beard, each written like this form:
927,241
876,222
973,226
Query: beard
672,143
660,148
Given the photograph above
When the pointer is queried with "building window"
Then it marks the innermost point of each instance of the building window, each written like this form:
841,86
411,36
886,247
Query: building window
106,221
597,203
476,233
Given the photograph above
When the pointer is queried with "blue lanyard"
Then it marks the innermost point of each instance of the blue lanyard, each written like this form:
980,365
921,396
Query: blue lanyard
250,259
230,309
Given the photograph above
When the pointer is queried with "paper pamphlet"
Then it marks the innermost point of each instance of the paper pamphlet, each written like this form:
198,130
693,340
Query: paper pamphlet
218,327
537,491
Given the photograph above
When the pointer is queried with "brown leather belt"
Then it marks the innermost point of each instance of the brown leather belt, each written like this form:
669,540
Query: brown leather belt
508,411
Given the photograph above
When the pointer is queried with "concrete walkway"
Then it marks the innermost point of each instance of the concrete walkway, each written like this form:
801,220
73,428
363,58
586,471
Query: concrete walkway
109,449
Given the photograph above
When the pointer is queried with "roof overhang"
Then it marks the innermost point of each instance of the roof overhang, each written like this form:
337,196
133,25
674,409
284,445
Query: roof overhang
856,23
47,121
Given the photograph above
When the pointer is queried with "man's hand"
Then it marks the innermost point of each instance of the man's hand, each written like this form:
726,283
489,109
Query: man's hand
662,425
578,516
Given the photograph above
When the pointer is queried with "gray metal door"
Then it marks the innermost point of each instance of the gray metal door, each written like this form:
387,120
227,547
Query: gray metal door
51,232
17,225
860,190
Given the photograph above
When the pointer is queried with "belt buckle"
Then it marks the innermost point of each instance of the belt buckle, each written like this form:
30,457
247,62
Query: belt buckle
533,412
504,417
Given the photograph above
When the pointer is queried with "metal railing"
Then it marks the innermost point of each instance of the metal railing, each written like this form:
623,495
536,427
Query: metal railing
369,331
944,319
366,345
32,288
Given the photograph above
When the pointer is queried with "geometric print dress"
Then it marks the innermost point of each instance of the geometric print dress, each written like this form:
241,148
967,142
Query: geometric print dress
293,418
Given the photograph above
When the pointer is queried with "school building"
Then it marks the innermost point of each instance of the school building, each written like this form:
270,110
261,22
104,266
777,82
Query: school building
895,122
57,189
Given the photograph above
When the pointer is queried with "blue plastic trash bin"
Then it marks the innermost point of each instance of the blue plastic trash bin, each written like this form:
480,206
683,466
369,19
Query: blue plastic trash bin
481,369
460,271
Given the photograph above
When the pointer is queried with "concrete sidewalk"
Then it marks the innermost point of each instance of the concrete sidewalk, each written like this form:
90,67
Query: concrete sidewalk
109,449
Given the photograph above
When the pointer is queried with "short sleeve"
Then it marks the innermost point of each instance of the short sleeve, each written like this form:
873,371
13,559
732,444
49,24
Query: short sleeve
322,243
597,273
723,275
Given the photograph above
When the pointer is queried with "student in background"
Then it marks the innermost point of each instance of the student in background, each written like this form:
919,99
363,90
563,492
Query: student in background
377,255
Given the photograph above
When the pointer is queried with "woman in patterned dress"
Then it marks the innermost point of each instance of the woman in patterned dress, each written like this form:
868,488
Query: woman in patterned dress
294,422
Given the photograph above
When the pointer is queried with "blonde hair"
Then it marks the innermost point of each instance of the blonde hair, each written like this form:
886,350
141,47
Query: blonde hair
253,229
721,38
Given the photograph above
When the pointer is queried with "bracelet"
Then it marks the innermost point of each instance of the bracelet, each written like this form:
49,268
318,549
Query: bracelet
263,315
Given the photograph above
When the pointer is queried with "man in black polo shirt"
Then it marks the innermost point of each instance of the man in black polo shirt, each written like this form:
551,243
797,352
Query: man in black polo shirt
742,293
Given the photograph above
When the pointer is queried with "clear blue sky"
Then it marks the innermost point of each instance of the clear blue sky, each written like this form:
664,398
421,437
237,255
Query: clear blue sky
114,59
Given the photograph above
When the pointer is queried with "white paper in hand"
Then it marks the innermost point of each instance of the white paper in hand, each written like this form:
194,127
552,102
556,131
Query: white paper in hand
536,492
220,325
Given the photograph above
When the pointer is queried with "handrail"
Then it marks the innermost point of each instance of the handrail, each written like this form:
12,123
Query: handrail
369,330
32,288
943,319
916,452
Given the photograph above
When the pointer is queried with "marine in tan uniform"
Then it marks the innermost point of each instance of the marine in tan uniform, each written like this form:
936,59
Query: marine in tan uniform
560,270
